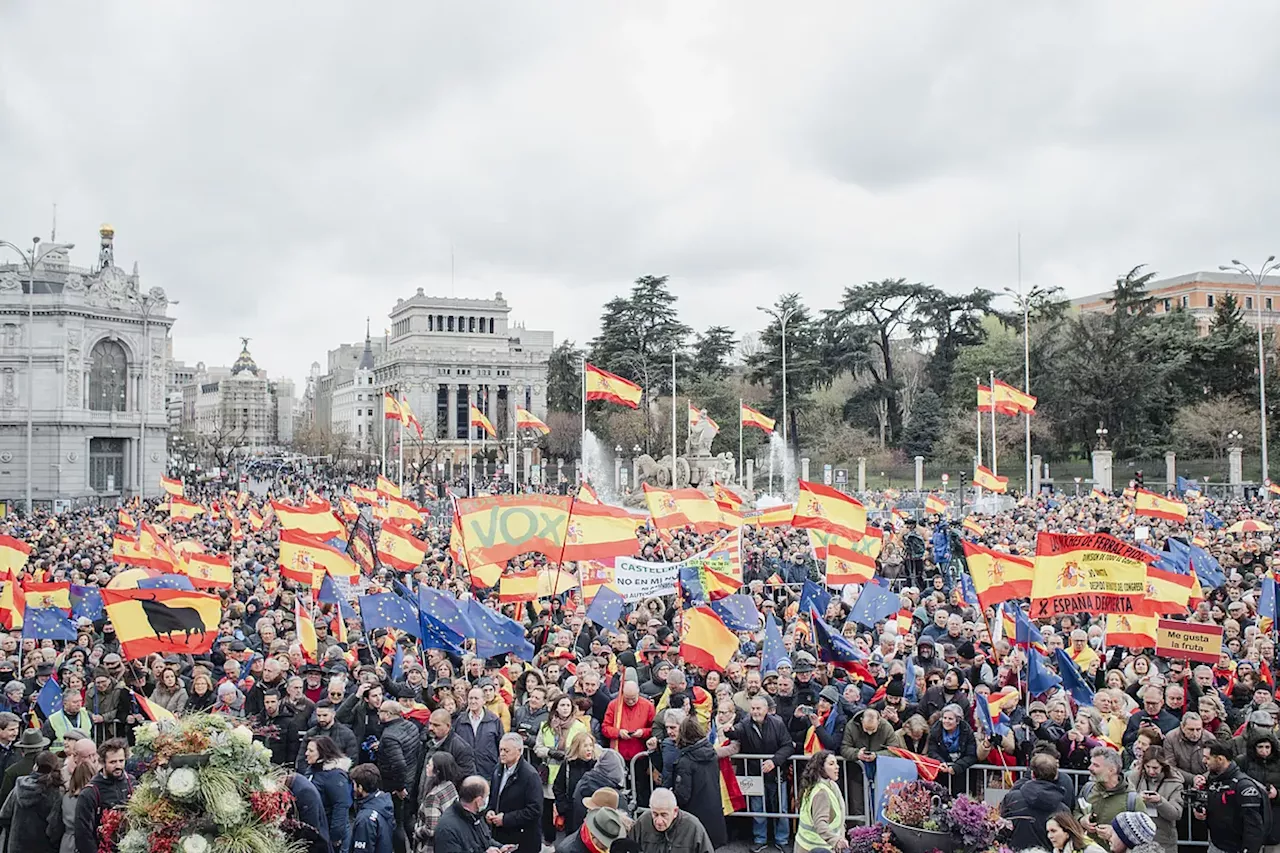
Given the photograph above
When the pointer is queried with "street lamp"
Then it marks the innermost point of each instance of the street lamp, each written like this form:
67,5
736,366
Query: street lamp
1101,432
1077,479
1024,304
782,316
32,259
1268,266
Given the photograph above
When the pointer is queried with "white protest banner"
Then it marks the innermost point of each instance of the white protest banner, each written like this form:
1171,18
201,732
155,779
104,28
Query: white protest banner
637,580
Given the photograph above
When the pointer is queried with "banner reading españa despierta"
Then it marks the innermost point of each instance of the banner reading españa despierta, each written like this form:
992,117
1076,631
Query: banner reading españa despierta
1094,573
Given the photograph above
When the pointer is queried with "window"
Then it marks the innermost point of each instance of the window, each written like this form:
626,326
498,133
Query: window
471,324
451,323
108,374
1210,300
1267,304
1186,301
439,322
106,464
1248,303
1168,306
431,323
493,326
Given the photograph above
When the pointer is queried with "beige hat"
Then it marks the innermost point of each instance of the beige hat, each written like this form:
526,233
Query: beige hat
602,798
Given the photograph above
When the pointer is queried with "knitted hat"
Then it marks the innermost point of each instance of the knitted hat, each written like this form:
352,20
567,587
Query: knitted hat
1134,828
894,687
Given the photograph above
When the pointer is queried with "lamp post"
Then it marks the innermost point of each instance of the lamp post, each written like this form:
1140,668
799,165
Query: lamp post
1023,301
1077,479
31,259
1101,432
782,316
1268,266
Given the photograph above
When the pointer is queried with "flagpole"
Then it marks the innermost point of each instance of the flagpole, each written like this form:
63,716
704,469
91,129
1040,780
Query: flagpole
1026,360
742,465
978,418
471,461
401,451
582,453
673,417
994,470
382,445
514,468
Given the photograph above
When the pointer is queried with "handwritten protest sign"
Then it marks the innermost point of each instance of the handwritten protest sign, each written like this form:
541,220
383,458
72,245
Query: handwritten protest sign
1188,641
637,580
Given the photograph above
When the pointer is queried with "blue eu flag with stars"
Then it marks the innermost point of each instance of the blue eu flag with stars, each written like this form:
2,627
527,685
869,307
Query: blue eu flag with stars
49,699
444,620
388,610
496,633
606,609
47,623
86,601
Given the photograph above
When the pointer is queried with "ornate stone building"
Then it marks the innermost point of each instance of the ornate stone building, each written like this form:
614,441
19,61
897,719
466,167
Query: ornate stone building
239,408
98,347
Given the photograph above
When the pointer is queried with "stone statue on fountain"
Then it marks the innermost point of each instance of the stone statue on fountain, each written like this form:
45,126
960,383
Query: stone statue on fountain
697,468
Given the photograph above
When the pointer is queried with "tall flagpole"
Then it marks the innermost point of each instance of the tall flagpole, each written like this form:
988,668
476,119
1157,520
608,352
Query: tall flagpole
993,423
582,453
471,460
401,449
978,418
1026,359
513,470
742,466
673,417
382,445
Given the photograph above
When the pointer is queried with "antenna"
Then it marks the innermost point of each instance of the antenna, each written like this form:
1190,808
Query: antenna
53,232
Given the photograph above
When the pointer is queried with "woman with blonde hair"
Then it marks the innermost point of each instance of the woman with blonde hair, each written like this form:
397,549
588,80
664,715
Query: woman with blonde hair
201,696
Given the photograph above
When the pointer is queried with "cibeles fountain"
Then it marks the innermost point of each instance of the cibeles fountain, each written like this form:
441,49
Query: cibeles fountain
698,468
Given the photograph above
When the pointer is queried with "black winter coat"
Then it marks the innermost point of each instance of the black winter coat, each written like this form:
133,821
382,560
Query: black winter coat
1027,807
769,738
460,831
697,788
571,773
455,746
398,756
964,757
341,735
33,816
520,804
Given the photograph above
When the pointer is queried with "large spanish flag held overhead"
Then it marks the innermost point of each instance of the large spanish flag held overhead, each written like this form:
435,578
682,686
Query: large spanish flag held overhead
400,549
498,528
386,487
1157,506
126,551
1011,401
1088,573
181,509
173,487
823,508
774,516
983,477
599,532
1167,592
752,418
706,642
208,571
998,576
1130,631
167,621
518,585
853,562
303,554
479,420
603,385
316,520
526,419
675,508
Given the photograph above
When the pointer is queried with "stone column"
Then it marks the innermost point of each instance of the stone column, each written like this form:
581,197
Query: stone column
451,416
804,468
862,474
1235,470
1102,469
527,452
617,476
1170,471
751,476
1037,470
919,473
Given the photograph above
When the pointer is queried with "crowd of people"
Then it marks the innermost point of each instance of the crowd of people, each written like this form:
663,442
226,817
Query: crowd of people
609,739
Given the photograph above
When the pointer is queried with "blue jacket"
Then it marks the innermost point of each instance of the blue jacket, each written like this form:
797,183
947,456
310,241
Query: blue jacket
483,740
334,785
374,825
306,800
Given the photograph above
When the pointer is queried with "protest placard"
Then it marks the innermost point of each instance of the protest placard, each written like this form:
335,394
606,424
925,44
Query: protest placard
1189,641
637,580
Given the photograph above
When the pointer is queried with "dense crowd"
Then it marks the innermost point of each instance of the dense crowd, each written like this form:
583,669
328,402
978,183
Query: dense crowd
609,739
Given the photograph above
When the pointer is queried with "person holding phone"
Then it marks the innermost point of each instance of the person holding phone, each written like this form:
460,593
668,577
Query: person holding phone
1160,786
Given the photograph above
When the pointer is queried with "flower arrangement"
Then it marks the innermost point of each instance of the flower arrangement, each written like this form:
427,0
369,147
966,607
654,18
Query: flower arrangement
920,805
875,838
208,788
973,826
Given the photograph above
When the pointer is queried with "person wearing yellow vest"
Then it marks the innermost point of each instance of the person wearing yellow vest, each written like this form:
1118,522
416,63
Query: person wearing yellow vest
72,716
550,746
821,806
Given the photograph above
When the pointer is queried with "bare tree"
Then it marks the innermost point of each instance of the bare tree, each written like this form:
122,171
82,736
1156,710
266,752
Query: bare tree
227,437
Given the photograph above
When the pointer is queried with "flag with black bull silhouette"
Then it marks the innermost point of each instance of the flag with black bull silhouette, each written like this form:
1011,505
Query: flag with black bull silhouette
163,620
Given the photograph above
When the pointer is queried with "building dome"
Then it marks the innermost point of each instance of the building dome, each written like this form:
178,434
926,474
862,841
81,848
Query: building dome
244,361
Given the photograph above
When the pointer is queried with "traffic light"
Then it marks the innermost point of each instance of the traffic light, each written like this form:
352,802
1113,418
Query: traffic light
1137,478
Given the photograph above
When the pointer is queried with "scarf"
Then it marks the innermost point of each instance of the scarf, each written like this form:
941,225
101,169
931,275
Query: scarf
559,727
951,740
589,841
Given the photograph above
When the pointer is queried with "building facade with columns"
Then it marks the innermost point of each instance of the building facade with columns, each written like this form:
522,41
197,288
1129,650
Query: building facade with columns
239,406
94,394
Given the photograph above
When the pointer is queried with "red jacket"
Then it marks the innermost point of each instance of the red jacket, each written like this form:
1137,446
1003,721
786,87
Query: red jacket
619,717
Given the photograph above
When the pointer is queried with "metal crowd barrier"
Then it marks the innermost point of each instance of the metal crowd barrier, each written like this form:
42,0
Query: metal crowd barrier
990,783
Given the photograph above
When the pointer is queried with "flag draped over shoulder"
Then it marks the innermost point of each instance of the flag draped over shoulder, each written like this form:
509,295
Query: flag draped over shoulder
497,528
998,576
1088,573
168,621
820,507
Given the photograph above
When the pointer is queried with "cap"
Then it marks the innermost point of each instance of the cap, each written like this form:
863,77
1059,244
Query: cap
894,688
1134,828
1037,706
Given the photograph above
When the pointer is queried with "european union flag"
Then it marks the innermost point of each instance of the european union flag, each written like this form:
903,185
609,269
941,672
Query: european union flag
86,601
1039,678
833,647
738,612
167,582
444,620
1072,679
982,710
397,663
47,623
1206,567
606,609
874,603
329,595
774,650
388,610
49,699
1213,520
1024,633
814,597
968,592
1267,604
496,633
1184,484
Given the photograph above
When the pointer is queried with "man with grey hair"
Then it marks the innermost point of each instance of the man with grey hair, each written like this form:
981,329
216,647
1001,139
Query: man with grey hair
397,760
9,726
665,827
515,801
1106,794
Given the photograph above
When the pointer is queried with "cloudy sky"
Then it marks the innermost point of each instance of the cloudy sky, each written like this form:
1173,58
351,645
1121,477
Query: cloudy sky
287,169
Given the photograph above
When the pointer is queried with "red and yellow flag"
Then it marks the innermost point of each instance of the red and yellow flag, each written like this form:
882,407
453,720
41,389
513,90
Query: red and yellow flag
934,504
1167,592
601,532
13,604
390,407
407,418
526,419
998,576
823,508
675,508
164,621
126,551
386,487
362,495
1131,631
587,494
173,487
594,576
971,526
1157,506
928,768
306,627
852,562
1089,573
1011,401
752,418
48,595
125,520
726,498
984,399
302,557
479,420
314,519
983,477
518,585
774,516
603,385
208,571
255,519
498,528
181,509
156,712
395,510
705,641
400,549
697,416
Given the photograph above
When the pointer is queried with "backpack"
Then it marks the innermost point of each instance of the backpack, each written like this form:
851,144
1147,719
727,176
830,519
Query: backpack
1269,828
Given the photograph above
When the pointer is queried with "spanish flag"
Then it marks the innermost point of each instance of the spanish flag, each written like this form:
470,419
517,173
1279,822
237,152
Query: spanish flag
518,585
587,494
526,419
181,509
316,520
935,505
399,549
928,768
1100,495
1273,488
1131,631
774,516
726,498
554,581
386,487
306,628
13,604
208,571
823,508
390,407
126,551
407,417
675,508
347,509
255,519
705,641
1167,592
164,621
753,418
697,416
125,520
971,526
479,420
302,557
983,477
1156,506
156,712
398,511
603,385
985,401
998,576
48,595
362,495
594,576
173,487
1011,401
600,532
850,562
1088,573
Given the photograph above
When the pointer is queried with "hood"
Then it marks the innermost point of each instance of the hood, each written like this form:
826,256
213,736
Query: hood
29,792
380,803
1044,796
700,751
1257,737
342,763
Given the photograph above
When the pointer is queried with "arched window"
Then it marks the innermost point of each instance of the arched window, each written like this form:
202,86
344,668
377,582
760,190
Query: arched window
108,375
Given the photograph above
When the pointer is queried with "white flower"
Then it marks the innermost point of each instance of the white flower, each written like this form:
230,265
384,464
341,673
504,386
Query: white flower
228,809
241,735
270,785
183,782
146,733
195,844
